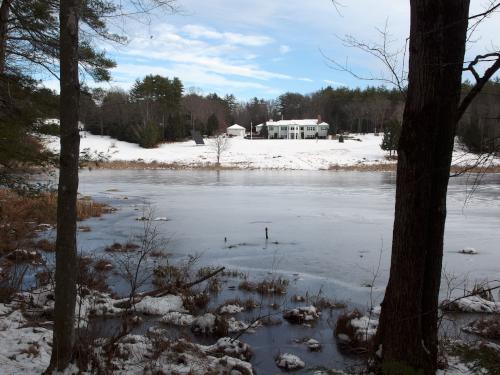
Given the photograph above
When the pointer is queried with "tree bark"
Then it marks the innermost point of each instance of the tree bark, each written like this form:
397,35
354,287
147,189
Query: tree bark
408,322
4,23
66,256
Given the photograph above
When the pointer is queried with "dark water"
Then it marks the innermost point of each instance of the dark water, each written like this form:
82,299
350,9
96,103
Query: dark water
327,231
331,228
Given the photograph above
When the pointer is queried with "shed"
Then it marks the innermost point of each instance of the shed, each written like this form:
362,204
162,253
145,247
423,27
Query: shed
236,131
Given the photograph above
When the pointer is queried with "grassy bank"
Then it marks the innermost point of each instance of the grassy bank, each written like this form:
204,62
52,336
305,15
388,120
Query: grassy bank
381,167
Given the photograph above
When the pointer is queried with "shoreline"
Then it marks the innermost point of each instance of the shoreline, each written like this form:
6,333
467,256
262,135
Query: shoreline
379,167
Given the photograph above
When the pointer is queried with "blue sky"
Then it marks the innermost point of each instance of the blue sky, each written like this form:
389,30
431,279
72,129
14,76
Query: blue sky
266,47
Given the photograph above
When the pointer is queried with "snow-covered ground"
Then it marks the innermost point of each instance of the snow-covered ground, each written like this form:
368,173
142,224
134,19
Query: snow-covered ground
258,154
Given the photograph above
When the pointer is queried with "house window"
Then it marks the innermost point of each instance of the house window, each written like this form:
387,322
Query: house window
284,128
270,128
301,128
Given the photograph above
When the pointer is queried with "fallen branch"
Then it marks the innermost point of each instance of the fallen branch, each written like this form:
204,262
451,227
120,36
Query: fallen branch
210,275
164,290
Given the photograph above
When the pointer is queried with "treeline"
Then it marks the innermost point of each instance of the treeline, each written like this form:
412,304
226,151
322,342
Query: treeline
479,129
158,109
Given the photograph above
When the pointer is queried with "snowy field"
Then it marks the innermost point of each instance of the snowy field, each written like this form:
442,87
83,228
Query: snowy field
254,154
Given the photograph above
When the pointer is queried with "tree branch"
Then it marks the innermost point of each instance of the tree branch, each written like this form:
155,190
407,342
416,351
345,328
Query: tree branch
480,81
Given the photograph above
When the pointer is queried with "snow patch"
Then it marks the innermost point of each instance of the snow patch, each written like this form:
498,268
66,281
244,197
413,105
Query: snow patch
160,305
231,309
474,304
289,361
300,315
178,319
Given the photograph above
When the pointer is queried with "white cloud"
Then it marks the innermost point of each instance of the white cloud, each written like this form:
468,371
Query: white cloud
191,75
336,83
284,49
222,54
199,31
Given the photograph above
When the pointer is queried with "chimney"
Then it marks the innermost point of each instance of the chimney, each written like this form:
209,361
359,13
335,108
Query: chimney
319,119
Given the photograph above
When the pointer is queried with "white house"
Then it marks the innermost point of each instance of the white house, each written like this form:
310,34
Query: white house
295,129
236,131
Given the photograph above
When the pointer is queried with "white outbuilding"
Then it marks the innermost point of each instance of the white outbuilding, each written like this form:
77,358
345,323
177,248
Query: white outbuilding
236,131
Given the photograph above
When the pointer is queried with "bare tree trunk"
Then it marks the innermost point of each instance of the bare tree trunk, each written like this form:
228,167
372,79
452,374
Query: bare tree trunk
408,323
4,23
66,256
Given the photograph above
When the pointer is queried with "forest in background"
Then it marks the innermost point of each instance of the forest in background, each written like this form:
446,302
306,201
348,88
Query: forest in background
158,109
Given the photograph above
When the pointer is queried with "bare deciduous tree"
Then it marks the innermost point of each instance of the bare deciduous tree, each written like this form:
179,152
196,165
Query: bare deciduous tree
408,327
219,144
409,318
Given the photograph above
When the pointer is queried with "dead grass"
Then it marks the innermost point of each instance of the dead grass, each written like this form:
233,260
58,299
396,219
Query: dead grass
169,276
121,248
265,287
22,216
382,167
214,285
391,167
103,265
248,304
138,164
196,302
324,303
24,256
46,245
488,328
89,277
44,278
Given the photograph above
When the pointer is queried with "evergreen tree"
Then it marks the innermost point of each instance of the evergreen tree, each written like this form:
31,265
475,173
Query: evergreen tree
148,135
29,35
212,124
264,132
390,141
159,101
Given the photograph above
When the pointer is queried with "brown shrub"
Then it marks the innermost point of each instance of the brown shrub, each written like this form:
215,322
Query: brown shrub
21,216
324,303
43,278
24,256
121,248
194,303
169,276
265,287
87,208
88,277
103,265
46,245
488,328
214,285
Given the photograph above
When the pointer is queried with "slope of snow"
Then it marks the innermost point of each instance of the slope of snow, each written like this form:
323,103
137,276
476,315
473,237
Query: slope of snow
306,154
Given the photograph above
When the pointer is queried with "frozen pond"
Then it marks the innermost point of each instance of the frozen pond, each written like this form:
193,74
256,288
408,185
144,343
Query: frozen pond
327,227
